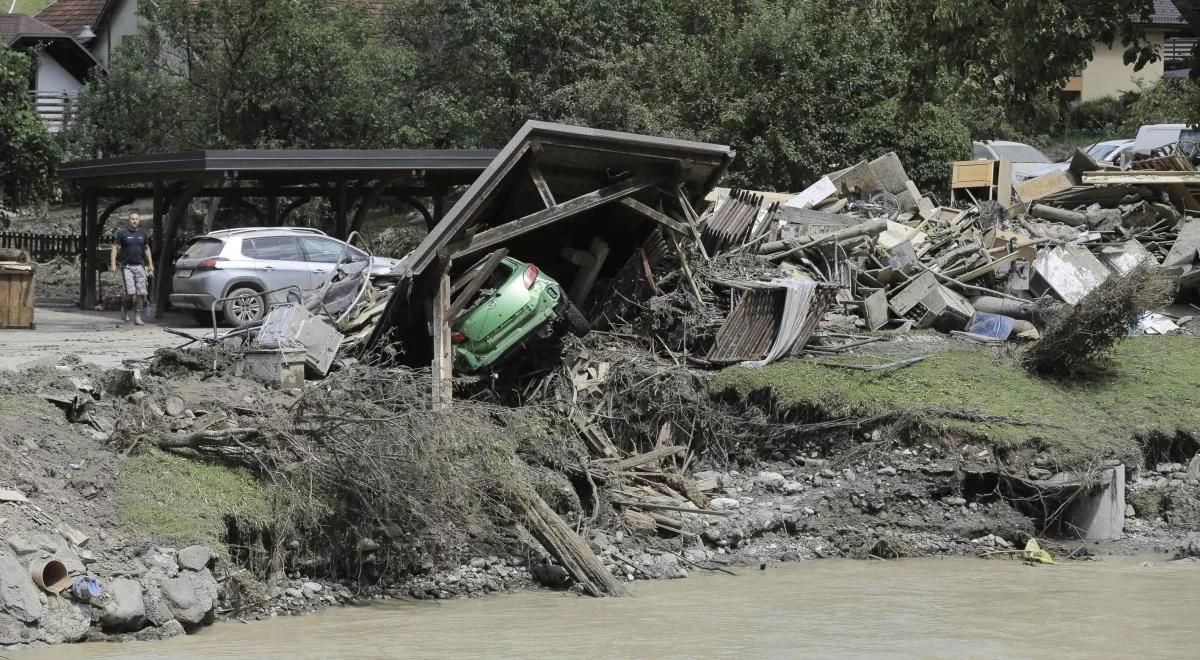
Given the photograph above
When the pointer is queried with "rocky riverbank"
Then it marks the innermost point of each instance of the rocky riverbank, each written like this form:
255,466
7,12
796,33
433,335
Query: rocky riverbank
178,541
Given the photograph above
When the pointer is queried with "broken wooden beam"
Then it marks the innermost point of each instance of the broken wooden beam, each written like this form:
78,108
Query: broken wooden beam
648,457
509,230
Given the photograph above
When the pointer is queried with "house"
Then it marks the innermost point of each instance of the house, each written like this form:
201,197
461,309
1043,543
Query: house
1108,75
63,64
99,25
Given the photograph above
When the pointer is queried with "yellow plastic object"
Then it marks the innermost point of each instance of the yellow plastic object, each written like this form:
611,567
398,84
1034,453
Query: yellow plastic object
1034,552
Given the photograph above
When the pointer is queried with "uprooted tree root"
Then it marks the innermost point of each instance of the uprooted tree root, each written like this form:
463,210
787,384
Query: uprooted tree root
1075,336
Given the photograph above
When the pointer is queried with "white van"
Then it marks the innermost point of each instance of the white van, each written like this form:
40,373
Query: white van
1153,136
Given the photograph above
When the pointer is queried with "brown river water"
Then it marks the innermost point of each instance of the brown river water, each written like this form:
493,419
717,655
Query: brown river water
949,608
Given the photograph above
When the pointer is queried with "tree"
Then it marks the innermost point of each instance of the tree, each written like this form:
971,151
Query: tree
1014,51
249,73
30,153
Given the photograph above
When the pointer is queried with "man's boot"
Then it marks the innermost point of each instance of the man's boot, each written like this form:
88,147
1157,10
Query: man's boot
137,314
125,305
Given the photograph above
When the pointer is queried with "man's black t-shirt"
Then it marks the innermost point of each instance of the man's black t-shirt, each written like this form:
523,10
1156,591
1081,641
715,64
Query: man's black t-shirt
132,244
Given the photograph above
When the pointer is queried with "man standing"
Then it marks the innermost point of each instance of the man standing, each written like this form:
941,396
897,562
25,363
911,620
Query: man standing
133,246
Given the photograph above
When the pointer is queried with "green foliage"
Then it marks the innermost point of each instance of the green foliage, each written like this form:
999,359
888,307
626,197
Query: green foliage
1168,101
29,151
235,73
1102,116
1014,52
1150,385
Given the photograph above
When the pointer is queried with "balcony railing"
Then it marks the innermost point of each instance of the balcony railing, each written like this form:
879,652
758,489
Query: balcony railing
1177,49
54,106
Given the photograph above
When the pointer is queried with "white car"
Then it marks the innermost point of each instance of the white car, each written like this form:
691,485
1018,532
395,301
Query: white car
1108,152
1025,159
1153,136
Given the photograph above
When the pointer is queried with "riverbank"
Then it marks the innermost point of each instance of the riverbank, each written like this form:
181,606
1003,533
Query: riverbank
230,544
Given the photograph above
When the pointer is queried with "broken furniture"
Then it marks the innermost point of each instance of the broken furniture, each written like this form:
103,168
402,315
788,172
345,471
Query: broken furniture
981,180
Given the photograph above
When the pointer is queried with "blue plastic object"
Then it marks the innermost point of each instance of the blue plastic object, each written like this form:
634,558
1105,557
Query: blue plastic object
991,325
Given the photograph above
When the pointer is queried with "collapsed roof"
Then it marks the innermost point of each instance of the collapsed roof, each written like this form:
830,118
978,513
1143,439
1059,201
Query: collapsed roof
554,189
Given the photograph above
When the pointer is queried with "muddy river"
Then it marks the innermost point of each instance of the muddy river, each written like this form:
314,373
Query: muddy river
962,608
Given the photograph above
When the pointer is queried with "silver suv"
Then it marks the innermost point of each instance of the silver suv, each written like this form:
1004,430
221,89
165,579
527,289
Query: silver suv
243,262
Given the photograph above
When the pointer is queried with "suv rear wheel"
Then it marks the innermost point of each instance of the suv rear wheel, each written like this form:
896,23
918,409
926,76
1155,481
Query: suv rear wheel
247,308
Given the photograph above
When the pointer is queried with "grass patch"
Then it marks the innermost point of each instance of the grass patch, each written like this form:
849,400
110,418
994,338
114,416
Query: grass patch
27,7
183,501
1150,384
28,406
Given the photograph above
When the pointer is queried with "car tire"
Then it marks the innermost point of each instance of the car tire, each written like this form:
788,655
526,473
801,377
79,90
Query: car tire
575,319
246,309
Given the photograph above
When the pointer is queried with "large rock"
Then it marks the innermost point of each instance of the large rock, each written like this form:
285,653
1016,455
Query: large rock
194,557
19,598
125,610
15,631
65,621
1191,546
191,597
161,560
158,612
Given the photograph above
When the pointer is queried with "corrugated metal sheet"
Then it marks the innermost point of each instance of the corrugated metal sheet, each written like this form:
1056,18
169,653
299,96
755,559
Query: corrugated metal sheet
750,330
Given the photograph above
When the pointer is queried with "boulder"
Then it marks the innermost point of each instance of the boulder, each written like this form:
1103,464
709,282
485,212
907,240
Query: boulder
125,610
191,597
21,545
161,560
770,480
158,613
723,504
1191,546
19,598
15,631
194,557
65,621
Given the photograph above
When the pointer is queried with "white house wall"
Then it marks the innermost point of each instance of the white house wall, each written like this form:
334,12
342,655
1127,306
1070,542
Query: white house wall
122,22
52,77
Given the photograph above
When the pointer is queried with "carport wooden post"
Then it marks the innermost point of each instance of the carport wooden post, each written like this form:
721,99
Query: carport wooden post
92,240
442,361
85,245
163,264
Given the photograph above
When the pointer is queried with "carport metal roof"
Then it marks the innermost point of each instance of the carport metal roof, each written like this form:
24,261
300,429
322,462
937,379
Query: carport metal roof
459,165
354,180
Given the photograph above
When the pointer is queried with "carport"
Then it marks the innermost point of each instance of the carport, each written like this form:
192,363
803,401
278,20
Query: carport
270,184
577,202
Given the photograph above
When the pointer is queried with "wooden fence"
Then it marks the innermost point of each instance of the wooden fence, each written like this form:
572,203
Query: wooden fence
44,247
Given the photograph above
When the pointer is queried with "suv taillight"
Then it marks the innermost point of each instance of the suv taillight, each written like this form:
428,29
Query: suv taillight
530,276
457,338
209,264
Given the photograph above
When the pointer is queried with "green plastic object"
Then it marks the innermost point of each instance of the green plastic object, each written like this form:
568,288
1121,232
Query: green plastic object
516,301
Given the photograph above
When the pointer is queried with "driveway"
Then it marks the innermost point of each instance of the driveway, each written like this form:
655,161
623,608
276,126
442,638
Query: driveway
95,337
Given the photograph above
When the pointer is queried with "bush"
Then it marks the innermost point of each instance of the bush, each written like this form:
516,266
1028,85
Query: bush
1164,102
1097,116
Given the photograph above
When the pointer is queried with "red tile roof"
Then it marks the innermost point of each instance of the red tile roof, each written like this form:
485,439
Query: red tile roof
71,15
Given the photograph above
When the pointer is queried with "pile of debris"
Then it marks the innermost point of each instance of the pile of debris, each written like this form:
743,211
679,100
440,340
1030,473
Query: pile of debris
977,268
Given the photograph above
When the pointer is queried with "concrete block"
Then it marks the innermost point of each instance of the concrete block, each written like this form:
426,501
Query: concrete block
1099,513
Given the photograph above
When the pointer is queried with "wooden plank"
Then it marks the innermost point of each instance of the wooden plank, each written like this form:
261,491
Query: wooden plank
989,267
655,215
475,284
496,235
1143,177
442,359
648,457
1044,185
25,319
539,182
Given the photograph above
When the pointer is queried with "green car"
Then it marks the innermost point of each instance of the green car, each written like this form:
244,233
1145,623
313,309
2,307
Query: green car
516,302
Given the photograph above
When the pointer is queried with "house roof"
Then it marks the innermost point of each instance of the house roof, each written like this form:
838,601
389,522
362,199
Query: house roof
1166,13
14,27
71,15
